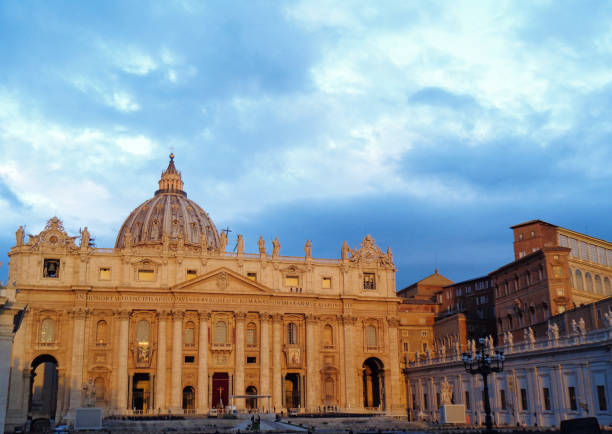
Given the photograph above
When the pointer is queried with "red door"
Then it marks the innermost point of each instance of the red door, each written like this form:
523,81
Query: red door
220,389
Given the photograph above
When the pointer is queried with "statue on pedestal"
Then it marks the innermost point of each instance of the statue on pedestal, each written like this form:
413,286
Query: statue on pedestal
582,327
239,245
446,393
19,236
89,393
308,249
345,250
262,246
275,248
84,238
222,242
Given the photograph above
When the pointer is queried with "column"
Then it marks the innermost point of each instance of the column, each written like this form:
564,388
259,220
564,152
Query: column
76,366
349,367
394,382
312,377
240,361
160,381
277,340
122,362
264,355
202,393
177,361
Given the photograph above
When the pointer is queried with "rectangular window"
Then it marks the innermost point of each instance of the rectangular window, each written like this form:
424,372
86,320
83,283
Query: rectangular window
502,399
191,274
602,255
563,242
584,252
524,406
189,359
250,336
609,258
601,397
438,399
251,360
574,247
104,273
369,281
467,400
326,283
51,268
546,395
571,394
292,281
252,276
146,275
189,336
592,253
425,403
414,403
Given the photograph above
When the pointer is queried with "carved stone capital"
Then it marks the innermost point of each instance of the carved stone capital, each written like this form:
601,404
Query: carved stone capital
312,318
277,317
240,316
163,314
264,316
78,313
178,314
122,313
204,315
349,320
393,322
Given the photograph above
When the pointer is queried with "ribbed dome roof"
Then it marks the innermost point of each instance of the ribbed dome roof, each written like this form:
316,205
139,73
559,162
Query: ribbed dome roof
168,212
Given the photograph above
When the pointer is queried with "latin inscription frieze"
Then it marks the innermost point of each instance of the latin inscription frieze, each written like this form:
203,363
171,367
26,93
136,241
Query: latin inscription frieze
168,299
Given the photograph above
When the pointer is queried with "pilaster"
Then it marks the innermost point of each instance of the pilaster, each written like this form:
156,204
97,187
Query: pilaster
202,395
177,361
277,398
240,360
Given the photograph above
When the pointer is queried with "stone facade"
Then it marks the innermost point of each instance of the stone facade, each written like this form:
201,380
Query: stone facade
169,321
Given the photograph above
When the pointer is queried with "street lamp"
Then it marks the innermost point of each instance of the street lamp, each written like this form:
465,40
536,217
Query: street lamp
483,363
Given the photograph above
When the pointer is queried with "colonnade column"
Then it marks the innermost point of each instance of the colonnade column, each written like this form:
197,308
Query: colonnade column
202,406
395,404
277,391
122,362
76,367
264,355
349,368
177,361
312,377
240,361
160,381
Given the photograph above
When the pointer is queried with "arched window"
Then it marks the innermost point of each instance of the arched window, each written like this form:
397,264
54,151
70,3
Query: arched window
579,282
291,333
142,331
607,286
328,336
102,332
251,334
598,285
589,281
371,339
509,322
189,338
47,331
220,332
188,399
516,283
572,278
540,273
527,279
329,389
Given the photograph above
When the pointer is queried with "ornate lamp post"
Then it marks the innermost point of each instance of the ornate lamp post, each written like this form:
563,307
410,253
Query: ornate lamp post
483,363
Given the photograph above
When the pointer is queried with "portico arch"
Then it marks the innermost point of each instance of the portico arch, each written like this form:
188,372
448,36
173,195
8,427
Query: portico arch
42,403
373,383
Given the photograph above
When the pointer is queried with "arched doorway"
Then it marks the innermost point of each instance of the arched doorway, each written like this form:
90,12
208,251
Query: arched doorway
43,389
292,391
251,403
373,383
188,400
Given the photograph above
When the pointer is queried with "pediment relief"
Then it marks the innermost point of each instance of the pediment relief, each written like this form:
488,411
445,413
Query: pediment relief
222,280
293,269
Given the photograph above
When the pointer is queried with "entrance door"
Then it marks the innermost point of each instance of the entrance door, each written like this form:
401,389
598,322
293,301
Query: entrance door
292,391
251,403
188,400
373,383
220,389
141,393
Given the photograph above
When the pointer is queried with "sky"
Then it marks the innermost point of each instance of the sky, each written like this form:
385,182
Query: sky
433,126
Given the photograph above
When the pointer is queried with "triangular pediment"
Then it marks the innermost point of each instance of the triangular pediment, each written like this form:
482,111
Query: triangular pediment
223,280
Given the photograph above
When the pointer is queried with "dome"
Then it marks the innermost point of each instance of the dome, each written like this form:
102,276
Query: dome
169,213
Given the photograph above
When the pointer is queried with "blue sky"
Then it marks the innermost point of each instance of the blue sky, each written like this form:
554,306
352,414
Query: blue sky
432,126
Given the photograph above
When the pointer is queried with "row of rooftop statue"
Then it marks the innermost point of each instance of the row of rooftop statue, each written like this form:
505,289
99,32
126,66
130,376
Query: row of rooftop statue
55,225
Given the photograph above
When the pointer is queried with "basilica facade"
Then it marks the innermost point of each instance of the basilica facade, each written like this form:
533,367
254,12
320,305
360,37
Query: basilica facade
169,321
